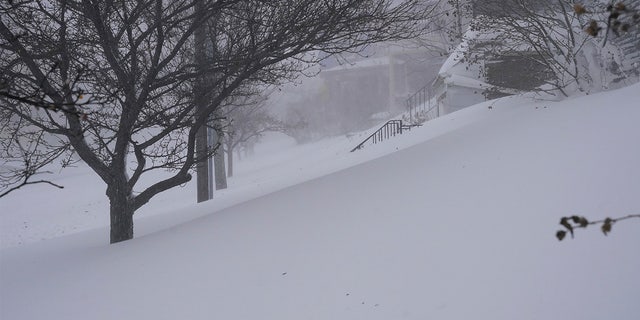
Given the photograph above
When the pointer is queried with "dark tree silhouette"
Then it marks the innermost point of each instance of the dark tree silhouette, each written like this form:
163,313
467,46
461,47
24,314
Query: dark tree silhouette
122,74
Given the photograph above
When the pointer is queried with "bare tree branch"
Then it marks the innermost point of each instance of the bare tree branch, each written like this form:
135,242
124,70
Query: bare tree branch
578,222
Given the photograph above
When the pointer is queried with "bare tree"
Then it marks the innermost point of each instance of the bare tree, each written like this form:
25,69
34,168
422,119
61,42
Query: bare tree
23,157
459,13
137,59
249,120
548,33
621,17
448,27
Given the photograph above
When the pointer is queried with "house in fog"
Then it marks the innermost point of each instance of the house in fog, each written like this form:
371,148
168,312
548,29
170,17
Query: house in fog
363,88
488,65
464,80
369,90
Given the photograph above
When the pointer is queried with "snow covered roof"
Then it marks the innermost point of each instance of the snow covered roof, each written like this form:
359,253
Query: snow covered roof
473,37
458,53
462,81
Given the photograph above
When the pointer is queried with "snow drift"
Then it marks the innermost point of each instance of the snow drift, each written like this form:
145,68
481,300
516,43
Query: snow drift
458,223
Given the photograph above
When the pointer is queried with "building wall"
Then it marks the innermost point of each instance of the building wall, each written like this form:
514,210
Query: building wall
520,71
457,98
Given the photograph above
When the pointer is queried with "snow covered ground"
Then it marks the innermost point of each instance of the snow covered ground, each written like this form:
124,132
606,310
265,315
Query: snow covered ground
455,220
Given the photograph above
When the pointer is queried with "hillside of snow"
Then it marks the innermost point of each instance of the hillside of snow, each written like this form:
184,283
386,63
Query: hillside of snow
455,220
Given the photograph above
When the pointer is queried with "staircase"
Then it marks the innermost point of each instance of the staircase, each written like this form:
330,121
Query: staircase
421,108
388,130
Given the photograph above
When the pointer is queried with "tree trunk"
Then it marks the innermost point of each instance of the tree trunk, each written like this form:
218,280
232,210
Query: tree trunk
202,167
221,173
218,163
229,160
459,31
121,211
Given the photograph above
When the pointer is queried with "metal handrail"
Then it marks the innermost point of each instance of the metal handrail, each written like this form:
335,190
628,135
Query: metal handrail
421,101
388,130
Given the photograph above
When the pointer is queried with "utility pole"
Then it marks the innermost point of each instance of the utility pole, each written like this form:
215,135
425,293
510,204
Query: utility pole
202,168
208,137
